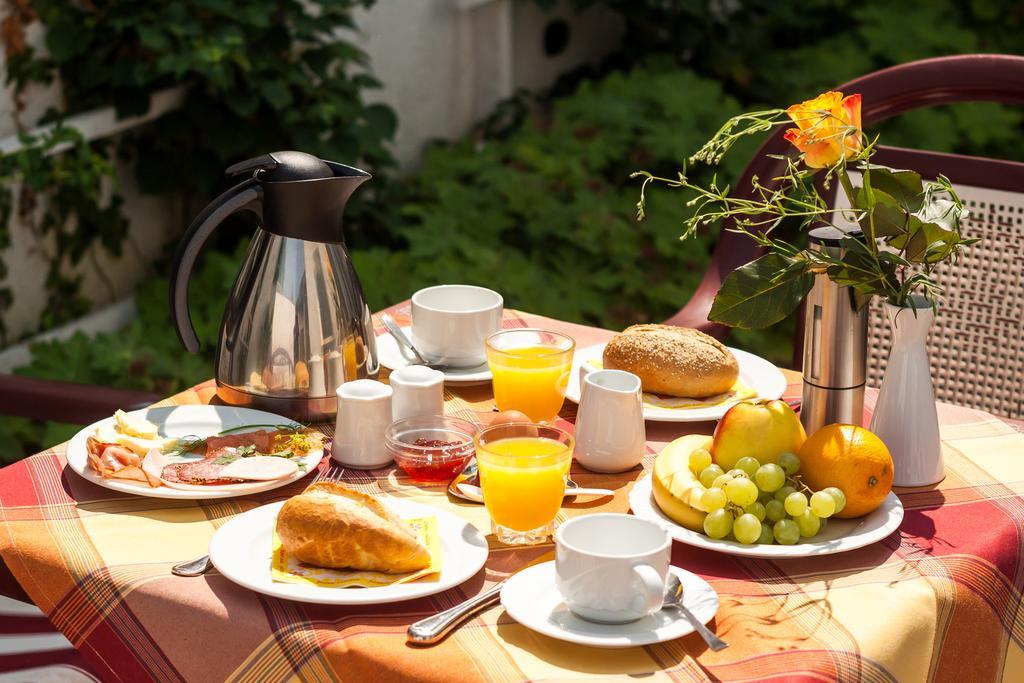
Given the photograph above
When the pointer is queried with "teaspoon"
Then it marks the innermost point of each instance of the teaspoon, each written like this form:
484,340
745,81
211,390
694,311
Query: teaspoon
674,598
195,567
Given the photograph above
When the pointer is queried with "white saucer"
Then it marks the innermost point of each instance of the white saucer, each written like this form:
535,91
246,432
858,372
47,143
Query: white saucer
392,356
531,598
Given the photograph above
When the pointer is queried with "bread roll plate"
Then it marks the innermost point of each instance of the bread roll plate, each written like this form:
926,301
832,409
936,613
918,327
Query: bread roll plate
241,551
755,372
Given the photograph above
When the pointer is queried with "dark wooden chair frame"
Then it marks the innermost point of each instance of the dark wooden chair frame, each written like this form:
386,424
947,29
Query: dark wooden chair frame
72,402
886,93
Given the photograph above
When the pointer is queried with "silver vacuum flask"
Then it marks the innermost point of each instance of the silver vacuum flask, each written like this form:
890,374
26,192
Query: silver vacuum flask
835,347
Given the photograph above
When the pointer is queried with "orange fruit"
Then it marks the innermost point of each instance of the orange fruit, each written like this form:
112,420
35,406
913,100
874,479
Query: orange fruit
852,458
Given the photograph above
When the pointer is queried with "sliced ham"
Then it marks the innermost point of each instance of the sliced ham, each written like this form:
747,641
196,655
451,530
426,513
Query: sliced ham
113,461
262,440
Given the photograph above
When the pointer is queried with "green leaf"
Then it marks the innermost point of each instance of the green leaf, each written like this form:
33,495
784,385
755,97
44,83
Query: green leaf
276,93
929,243
761,293
903,186
883,216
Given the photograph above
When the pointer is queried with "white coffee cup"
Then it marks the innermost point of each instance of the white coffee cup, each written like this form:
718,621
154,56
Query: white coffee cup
612,568
450,323
610,431
418,390
364,412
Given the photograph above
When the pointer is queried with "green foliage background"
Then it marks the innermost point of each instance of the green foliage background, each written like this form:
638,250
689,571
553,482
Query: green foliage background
538,197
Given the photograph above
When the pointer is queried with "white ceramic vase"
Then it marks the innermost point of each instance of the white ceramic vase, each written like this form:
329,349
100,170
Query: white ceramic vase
905,417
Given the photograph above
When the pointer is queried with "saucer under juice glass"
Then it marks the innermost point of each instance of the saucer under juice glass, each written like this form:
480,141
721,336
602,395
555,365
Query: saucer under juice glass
523,468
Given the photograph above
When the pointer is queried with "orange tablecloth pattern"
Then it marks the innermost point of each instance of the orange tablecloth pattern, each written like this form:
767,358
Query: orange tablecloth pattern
938,600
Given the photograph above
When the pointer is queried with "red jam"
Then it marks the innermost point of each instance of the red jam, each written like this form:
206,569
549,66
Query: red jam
441,462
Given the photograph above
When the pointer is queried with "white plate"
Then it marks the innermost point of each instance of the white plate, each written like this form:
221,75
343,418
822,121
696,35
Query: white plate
839,536
392,356
531,598
757,373
241,551
187,421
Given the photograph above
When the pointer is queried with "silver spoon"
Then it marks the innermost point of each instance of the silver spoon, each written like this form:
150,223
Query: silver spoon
195,567
403,341
466,485
674,598
434,628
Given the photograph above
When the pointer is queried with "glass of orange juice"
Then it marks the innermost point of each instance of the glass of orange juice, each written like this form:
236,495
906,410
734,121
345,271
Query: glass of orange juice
523,468
531,371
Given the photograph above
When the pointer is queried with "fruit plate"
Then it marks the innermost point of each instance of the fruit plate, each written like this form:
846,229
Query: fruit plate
757,373
839,536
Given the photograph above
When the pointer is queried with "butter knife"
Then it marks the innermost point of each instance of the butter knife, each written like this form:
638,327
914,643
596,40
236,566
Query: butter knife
432,629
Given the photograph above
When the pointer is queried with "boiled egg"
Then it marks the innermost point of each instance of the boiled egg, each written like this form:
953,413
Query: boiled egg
515,417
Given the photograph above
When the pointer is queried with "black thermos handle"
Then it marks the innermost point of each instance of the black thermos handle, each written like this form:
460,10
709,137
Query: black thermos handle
244,196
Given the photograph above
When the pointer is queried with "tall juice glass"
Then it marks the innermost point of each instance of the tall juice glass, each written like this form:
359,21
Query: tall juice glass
523,468
531,371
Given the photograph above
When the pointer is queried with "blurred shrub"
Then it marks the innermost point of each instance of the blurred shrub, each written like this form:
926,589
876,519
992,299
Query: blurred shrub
146,355
546,213
258,75
538,202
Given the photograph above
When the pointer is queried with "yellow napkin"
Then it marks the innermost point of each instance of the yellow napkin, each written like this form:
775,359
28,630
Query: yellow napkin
286,569
738,392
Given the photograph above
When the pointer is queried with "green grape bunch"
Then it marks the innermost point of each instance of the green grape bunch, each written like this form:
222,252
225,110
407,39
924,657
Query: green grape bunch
762,504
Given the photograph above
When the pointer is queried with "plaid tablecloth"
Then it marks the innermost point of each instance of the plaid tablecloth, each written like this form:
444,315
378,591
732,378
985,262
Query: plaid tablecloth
939,600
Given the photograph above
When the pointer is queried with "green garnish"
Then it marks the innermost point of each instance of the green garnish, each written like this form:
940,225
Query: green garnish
186,444
291,427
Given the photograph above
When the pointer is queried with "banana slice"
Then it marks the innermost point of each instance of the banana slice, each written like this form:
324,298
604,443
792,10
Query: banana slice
677,490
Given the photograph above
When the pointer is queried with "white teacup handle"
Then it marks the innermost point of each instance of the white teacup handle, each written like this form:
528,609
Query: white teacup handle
653,584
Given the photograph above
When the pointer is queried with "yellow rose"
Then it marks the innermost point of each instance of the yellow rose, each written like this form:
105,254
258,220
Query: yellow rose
828,128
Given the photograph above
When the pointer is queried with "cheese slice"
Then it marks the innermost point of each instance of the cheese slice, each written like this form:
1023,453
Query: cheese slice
141,446
133,425
106,433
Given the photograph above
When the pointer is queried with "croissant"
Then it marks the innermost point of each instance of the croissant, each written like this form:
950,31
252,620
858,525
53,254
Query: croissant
329,525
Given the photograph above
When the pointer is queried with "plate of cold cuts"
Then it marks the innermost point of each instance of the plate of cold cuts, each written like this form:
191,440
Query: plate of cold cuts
194,452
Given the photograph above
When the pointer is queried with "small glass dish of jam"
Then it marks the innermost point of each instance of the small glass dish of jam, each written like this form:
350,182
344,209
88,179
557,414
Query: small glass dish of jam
431,447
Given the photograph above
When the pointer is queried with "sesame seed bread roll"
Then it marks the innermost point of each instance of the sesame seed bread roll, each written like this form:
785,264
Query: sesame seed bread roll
675,361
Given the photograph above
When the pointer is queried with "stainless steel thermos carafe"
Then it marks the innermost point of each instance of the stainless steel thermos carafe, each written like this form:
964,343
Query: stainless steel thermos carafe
295,325
835,347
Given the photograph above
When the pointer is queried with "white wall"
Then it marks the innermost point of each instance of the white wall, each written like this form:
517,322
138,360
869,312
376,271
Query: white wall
444,65
105,278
